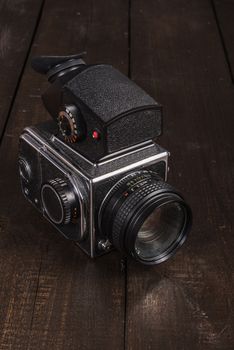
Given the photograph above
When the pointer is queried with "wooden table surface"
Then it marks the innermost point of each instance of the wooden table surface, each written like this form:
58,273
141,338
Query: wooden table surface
52,296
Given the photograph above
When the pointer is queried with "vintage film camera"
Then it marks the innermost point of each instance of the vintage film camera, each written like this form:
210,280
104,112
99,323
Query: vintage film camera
94,170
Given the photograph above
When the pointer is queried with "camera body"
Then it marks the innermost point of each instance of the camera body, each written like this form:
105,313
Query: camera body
95,171
44,158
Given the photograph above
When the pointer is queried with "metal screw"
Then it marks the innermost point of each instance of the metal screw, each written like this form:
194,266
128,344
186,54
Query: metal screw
26,191
138,251
104,244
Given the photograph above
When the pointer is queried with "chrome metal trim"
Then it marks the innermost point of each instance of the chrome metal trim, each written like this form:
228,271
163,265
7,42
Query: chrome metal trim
91,220
127,151
81,198
70,149
166,167
35,144
147,161
46,145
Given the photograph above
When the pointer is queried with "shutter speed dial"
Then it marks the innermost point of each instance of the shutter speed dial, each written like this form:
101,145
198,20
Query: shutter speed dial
59,201
71,124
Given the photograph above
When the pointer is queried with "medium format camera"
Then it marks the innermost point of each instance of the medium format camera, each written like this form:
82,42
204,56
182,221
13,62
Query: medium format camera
94,170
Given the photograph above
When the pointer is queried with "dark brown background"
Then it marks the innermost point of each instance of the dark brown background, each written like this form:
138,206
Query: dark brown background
51,295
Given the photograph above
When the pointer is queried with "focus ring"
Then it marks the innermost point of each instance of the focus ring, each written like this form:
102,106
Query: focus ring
147,174
130,205
60,187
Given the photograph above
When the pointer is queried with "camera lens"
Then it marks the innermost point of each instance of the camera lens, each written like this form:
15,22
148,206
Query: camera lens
145,217
160,231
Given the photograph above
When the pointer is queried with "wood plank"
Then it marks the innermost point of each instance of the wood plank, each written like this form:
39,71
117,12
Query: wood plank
18,20
177,56
224,11
52,295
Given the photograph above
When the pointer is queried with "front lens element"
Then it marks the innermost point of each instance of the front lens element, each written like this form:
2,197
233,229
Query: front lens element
160,231
52,204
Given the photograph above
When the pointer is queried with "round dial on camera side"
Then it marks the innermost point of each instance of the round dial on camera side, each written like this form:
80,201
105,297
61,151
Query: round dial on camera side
59,202
25,170
71,124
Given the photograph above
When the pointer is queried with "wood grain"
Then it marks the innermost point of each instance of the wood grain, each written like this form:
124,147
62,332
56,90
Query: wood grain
18,20
224,11
52,295
177,56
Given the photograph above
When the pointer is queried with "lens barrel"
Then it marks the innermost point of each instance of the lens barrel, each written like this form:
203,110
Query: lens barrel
58,201
145,217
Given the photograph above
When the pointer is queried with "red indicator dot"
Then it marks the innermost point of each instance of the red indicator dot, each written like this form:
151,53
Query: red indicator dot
95,135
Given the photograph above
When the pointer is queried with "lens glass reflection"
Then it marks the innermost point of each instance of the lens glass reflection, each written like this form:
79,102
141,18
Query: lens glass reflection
52,204
160,231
